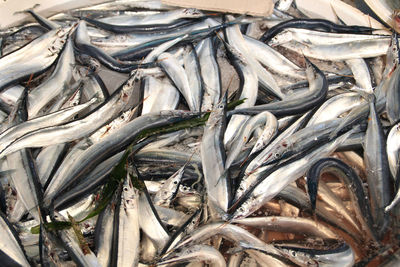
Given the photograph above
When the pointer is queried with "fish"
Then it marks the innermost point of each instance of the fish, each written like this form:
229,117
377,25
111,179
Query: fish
377,166
154,135
213,159
12,252
15,68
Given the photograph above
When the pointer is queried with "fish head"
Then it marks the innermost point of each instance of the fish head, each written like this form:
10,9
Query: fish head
281,38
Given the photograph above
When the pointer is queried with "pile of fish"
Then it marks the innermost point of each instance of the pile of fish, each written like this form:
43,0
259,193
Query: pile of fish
135,133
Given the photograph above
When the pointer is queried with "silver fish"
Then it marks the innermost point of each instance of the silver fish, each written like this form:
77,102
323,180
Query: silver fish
164,196
196,253
10,247
127,235
269,187
178,75
55,84
210,72
213,159
42,52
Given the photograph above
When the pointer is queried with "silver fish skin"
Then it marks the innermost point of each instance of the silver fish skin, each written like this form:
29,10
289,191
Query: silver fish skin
173,138
132,40
23,180
258,161
128,234
191,64
392,58
153,186
231,232
110,145
288,225
93,86
42,52
334,257
72,158
269,132
249,89
90,183
249,180
272,185
178,75
81,209
47,159
296,103
69,97
357,113
10,96
272,59
236,39
150,224
10,244
235,260
361,73
301,140
157,18
377,167
104,232
262,258
55,84
148,251
337,205
152,56
336,106
156,89
318,37
171,217
195,220
164,196
202,253
293,258
8,136
343,51
393,149
71,244
265,119
78,128
164,155
393,97
394,202
17,212
211,74
293,194
213,158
